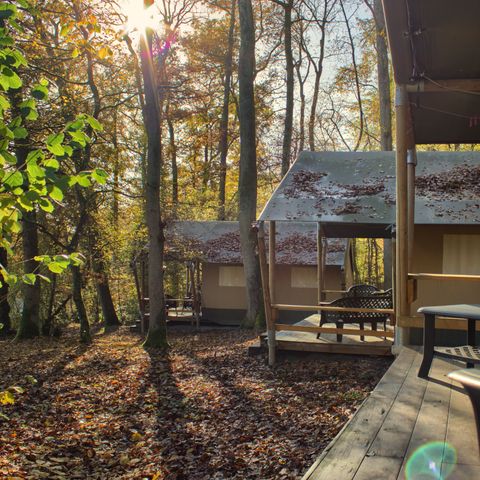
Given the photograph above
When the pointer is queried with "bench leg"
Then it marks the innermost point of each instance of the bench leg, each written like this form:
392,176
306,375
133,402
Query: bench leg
321,323
428,344
339,335
471,337
362,327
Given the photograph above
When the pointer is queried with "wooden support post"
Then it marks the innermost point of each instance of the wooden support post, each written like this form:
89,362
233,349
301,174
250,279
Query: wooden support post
320,264
402,112
272,258
387,264
262,256
411,165
195,296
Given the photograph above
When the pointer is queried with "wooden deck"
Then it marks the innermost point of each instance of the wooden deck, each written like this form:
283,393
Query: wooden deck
405,413
327,343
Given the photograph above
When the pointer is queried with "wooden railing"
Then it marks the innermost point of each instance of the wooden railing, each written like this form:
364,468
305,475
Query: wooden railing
442,276
279,327
343,331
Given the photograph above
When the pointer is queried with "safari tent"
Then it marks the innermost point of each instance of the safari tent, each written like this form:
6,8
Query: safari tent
352,195
217,245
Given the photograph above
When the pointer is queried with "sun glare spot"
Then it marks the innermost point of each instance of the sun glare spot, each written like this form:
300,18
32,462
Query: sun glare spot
138,17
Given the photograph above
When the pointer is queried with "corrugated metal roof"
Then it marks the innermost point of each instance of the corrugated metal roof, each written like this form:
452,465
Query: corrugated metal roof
358,188
219,242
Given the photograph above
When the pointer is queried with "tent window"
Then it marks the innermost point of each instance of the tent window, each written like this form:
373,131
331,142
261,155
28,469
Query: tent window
304,277
461,254
231,277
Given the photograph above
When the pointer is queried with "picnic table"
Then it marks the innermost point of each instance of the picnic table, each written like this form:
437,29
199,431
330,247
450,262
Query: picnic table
467,353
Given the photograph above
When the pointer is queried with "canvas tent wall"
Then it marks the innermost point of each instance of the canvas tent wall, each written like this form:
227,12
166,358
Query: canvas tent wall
353,195
217,244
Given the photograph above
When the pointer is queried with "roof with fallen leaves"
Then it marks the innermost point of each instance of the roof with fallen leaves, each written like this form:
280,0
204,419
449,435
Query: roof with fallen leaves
359,188
219,242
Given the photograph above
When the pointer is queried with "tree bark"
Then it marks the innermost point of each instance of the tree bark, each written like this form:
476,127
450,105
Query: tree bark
223,143
4,305
157,328
247,184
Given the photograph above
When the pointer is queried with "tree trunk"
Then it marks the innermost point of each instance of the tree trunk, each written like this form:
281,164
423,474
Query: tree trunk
99,267
173,158
157,328
116,177
288,126
110,318
318,67
4,305
48,323
356,77
301,87
85,336
383,76
247,184
29,325
223,143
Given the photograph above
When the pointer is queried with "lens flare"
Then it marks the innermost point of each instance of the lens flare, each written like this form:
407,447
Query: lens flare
433,461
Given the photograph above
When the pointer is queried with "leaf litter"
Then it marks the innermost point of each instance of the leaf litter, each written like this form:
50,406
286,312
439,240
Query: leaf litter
204,411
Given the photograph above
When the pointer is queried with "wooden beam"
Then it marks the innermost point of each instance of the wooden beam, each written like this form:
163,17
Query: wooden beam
320,264
456,85
443,276
279,327
402,125
324,308
272,258
262,256
411,166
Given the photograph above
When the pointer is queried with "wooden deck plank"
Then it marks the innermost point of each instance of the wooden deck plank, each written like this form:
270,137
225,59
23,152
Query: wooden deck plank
384,468
461,431
462,472
402,414
431,424
387,451
344,456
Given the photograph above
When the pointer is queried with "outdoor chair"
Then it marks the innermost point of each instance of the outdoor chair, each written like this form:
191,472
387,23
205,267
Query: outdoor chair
376,300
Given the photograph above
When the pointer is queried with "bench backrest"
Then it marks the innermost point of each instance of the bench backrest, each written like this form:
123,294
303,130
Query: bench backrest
360,290
379,300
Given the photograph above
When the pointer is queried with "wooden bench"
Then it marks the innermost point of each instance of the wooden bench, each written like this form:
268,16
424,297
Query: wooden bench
470,380
383,300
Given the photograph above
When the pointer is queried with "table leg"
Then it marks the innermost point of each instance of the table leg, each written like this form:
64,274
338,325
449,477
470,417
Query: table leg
471,337
428,344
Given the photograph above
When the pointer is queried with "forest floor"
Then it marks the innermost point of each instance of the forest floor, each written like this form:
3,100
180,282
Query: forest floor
206,411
